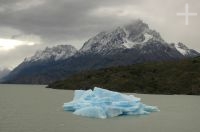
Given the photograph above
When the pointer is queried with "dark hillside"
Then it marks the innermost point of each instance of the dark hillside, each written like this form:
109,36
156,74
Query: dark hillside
174,77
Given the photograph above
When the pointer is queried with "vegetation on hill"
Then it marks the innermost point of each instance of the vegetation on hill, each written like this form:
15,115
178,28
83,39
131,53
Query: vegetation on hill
174,77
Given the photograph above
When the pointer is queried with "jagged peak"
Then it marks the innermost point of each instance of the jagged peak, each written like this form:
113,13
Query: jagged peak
184,50
181,45
58,52
136,32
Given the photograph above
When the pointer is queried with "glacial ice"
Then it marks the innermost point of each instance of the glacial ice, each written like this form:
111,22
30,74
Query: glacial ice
102,103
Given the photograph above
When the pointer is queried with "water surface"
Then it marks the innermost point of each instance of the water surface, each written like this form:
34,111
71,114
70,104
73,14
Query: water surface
34,108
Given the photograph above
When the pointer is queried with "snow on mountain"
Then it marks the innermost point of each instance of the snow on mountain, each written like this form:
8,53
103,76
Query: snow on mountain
136,35
184,50
122,38
129,44
104,41
147,37
125,45
59,52
181,48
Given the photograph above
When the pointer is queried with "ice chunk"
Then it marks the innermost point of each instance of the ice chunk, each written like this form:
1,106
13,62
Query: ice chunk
102,103
91,111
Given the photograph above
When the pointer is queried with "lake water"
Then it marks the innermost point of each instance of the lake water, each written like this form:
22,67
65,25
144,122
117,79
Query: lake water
33,108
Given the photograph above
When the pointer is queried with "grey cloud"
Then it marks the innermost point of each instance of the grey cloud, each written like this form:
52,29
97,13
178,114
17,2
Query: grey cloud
15,56
70,21
59,19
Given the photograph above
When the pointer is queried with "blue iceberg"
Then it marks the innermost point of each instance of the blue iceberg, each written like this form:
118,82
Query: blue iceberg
102,103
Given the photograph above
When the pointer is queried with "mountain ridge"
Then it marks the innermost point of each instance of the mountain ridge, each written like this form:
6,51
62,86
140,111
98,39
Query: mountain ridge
130,44
59,52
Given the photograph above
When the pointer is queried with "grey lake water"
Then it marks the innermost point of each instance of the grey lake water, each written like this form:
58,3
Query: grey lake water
34,108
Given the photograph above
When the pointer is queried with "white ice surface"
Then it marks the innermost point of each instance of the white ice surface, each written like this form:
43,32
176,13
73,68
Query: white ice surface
101,103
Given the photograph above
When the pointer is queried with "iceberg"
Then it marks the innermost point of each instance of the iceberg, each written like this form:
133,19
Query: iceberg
102,103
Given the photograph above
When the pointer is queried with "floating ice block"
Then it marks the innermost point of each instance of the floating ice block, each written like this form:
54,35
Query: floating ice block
102,103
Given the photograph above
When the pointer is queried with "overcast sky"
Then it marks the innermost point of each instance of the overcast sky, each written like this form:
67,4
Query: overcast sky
29,25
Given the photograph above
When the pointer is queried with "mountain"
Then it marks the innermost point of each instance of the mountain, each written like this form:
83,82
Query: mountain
185,50
127,37
125,45
35,69
135,36
170,77
56,53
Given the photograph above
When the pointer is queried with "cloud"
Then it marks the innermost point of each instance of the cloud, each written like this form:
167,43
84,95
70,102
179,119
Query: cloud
58,20
7,44
10,5
75,21
15,56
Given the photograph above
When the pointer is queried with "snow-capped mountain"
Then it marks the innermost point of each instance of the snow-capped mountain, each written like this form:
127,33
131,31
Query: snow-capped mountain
125,45
184,50
136,35
126,37
55,53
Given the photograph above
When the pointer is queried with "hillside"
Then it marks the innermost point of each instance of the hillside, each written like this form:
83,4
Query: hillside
174,77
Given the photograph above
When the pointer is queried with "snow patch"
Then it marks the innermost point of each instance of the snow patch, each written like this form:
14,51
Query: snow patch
147,37
129,44
182,51
59,52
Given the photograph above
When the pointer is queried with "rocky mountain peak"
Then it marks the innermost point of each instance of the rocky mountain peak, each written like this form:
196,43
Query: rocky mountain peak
184,50
55,53
123,37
